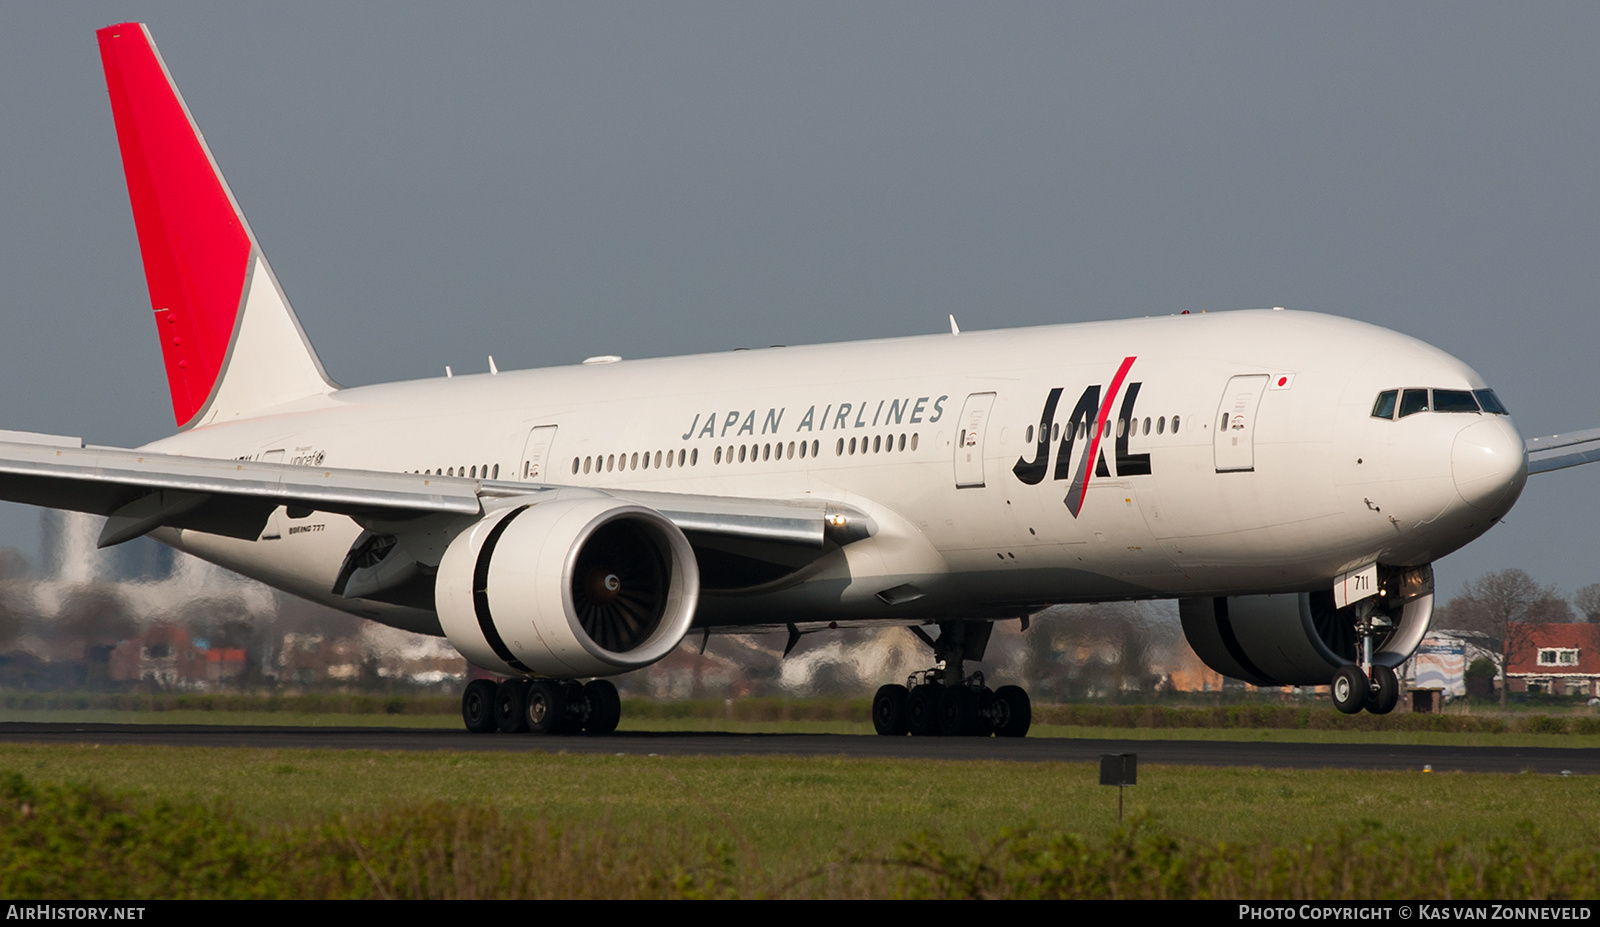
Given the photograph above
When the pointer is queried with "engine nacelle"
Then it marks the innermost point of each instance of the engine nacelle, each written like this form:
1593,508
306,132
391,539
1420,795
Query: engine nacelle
1301,639
585,586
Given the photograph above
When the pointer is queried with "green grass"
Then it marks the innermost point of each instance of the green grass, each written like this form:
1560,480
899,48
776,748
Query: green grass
782,803
775,819
267,718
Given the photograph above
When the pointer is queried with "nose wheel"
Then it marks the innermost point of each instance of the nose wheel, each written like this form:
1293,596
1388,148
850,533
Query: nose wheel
1355,691
1372,687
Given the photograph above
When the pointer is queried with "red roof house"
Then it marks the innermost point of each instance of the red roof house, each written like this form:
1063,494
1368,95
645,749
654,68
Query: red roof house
1562,659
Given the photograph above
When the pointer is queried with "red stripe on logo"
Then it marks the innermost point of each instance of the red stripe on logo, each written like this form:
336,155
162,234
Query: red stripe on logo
1076,494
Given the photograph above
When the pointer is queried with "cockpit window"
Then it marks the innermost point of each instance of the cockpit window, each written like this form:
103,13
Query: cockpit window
1454,400
1436,400
1490,402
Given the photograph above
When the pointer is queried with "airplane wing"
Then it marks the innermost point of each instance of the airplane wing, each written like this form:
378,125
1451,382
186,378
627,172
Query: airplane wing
1558,452
139,491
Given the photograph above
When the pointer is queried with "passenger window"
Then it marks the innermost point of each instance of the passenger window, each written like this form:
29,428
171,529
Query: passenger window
1454,400
1161,425
1174,424
1384,407
1413,401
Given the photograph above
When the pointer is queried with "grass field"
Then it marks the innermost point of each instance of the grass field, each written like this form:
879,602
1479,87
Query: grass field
771,821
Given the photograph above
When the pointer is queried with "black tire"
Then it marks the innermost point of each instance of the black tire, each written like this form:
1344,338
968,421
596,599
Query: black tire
958,712
546,707
1350,689
604,708
922,710
510,706
889,711
477,706
1385,690
1013,712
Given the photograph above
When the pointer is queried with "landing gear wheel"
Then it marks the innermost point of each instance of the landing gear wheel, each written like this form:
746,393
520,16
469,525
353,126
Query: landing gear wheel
889,711
1350,688
922,710
605,707
1385,690
477,706
510,706
1012,712
958,712
546,707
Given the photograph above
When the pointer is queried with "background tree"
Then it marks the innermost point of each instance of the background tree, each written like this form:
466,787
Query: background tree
1587,602
1502,606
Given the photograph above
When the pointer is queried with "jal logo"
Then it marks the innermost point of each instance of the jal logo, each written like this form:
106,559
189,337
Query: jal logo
1081,431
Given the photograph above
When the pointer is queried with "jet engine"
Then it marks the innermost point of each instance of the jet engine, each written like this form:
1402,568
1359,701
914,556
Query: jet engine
1302,639
585,586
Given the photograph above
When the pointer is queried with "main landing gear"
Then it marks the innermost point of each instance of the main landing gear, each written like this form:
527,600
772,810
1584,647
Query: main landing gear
540,706
1371,686
944,701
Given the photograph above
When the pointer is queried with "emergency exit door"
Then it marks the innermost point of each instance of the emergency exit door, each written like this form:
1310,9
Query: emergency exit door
970,429
1235,441
536,454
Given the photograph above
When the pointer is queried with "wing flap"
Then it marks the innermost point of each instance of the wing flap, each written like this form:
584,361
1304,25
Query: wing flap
140,491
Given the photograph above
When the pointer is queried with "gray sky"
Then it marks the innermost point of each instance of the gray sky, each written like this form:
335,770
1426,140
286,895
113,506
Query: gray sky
434,183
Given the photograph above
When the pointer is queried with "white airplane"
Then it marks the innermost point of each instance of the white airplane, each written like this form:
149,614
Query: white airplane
1288,477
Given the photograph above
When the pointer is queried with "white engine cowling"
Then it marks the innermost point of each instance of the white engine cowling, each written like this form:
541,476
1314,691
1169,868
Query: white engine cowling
1301,639
571,587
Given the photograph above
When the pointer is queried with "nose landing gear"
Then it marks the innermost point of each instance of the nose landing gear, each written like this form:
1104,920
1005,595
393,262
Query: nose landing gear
1371,686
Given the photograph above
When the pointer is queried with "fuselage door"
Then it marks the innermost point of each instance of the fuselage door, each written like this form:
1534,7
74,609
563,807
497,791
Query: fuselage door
536,454
969,440
1235,442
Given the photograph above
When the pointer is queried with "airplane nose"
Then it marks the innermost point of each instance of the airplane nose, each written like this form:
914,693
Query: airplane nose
1489,464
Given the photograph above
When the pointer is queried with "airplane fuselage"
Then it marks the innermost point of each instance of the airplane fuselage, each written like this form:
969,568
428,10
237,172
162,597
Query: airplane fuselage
1215,454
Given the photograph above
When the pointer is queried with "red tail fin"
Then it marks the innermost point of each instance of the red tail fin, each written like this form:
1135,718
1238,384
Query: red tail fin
200,258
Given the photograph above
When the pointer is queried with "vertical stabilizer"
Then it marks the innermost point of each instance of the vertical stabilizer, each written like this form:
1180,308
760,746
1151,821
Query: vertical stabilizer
229,338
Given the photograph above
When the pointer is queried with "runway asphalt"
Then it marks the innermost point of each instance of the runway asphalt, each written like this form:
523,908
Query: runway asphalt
1541,760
